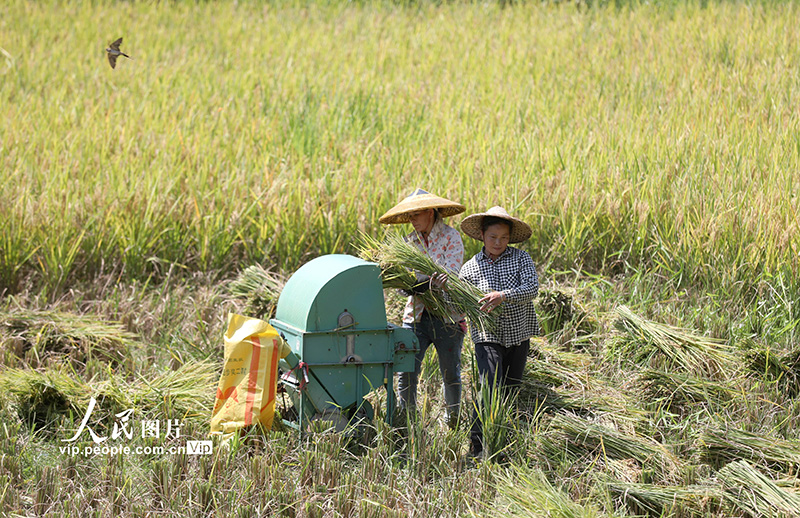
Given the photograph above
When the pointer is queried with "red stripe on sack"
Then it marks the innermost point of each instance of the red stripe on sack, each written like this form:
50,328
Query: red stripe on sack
252,382
273,378
273,368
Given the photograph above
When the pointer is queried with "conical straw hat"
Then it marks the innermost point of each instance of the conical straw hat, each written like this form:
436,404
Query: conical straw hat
420,200
471,225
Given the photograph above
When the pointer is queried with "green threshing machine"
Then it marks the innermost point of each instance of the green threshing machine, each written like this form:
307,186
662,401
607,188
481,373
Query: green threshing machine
331,313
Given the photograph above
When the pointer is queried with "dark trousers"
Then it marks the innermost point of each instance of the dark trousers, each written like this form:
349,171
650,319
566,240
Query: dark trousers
498,366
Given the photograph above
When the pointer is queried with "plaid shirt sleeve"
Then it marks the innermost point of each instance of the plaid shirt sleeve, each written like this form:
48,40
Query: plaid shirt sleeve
528,286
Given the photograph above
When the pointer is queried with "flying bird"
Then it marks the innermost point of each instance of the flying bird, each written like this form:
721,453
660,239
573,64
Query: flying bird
114,52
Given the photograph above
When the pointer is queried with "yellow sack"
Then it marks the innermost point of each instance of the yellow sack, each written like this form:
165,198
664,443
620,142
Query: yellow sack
246,391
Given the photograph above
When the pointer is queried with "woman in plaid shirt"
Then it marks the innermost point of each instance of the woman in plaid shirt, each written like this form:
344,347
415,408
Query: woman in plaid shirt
508,277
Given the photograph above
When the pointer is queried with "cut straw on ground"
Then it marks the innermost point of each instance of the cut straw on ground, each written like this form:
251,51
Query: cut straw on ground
677,347
752,492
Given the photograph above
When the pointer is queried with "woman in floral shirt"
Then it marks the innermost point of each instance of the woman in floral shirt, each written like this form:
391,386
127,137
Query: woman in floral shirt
443,244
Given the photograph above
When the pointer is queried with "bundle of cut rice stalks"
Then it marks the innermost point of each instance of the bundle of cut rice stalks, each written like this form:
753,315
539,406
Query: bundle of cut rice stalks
40,335
527,492
581,438
750,491
673,501
43,397
674,347
185,393
599,399
260,289
679,390
781,368
399,261
719,446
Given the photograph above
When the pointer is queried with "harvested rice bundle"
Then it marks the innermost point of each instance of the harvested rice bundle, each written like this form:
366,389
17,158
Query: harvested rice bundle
680,389
527,492
554,309
749,490
42,334
580,437
719,446
782,368
399,260
539,396
558,310
536,391
656,500
260,288
42,397
186,392
678,347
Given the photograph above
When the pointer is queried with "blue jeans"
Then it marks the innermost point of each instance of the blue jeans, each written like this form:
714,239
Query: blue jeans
447,338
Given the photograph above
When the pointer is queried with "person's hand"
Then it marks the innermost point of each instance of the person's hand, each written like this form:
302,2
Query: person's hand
492,300
438,280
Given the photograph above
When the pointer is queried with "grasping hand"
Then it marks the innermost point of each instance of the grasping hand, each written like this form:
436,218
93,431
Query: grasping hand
492,300
438,280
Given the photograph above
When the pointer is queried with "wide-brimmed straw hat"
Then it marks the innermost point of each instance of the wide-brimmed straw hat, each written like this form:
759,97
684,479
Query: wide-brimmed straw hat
420,200
471,225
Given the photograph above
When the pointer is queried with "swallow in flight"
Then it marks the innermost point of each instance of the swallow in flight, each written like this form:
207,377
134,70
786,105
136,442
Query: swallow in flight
114,52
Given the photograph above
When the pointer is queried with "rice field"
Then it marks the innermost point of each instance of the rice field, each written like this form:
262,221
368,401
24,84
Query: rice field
653,148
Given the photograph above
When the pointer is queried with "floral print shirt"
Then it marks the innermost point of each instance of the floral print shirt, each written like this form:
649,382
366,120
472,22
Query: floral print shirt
445,247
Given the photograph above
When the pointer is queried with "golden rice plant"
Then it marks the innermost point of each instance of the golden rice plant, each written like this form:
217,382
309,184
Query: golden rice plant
400,260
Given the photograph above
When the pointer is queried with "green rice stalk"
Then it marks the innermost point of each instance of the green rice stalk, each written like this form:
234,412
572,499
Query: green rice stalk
399,260
260,288
495,408
679,347
673,501
750,491
731,444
